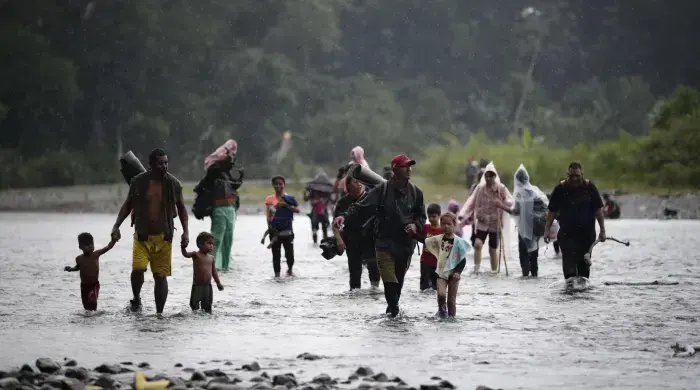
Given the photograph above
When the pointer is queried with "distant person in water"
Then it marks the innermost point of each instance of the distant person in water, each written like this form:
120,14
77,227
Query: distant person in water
89,266
204,266
611,209
578,204
155,196
451,253
280,208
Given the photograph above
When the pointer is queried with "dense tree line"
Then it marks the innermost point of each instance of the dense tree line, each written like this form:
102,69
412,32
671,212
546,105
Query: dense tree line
85,80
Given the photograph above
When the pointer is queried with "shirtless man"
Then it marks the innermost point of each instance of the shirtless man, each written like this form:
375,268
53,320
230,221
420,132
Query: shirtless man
202,295
155,196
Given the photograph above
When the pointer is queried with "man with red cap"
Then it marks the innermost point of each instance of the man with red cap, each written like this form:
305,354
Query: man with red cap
398,210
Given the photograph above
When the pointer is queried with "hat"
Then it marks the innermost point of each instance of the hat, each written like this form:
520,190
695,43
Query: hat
402,161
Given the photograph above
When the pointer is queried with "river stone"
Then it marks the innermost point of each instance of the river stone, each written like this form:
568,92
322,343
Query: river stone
254,367
26,368
483,388
257,379
215,372
198,376
309,356
284,379
435,378
127,363
364,386
47,365
224,386
178,364
445,384
262,386
265,375
381,377
364,371
322,379
429,387
106,382
144,365
80,373
69,362
9,383
109,369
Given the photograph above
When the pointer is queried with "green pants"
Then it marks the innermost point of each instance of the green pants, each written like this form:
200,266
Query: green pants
223,220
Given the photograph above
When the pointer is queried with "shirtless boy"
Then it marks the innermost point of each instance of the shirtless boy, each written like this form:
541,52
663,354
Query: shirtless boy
204,269
89,266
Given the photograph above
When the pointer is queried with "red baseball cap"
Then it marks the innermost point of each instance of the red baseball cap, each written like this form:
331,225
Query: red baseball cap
402,161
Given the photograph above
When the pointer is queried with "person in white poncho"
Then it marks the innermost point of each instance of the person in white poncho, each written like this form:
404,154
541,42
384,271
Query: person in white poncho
530,212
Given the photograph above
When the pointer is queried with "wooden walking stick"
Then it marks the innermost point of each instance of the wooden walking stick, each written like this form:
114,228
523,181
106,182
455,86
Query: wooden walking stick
501,251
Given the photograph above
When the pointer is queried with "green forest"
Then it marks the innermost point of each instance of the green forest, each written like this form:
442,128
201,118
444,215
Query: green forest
612,84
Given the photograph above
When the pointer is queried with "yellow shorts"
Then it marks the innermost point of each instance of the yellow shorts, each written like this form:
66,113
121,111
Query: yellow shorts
155,251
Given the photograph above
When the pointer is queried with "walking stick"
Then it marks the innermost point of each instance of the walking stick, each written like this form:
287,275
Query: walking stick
587,256
501,250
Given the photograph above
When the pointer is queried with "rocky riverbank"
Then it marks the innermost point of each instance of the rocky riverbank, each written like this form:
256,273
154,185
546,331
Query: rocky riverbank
108,199
48,374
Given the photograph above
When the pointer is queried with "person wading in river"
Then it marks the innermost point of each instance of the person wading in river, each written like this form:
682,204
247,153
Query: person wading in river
530,209
481,209
400,212
223,216
357,239
578,204
155,196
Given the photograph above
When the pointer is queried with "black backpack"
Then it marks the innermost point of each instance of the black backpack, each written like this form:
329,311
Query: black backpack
203,200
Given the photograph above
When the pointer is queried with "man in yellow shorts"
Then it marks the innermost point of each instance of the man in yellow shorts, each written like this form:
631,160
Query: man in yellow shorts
155,197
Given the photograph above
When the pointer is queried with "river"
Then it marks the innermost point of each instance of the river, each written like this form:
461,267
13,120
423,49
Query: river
509,333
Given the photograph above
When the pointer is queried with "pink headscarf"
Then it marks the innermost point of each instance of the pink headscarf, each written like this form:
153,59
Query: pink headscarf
229,148
358,156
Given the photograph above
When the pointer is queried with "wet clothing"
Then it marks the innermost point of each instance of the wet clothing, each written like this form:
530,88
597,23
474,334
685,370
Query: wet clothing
428,261
223,222
202,296
359,245
393,209
156,251
277,242
282,217
576,207
447,297
171,192
528,259
355,264
89,293
492,237
428,277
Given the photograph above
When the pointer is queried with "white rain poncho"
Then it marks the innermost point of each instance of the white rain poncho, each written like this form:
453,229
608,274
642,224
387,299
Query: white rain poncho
473,209
529,209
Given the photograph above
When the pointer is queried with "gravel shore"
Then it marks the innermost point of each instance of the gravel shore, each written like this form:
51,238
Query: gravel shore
108,199
48,374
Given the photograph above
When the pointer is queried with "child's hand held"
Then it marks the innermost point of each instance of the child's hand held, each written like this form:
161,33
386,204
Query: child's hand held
67,268
220,286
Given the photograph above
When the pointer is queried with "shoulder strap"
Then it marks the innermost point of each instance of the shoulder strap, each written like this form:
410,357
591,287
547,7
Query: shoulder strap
384,185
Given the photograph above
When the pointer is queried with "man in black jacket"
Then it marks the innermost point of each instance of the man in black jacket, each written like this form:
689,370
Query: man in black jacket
577,202
400,212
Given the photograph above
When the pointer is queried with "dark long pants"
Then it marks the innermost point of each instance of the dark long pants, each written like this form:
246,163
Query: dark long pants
319,220
528,259
356,259
392,270
573,250
288,244
555,244
428,277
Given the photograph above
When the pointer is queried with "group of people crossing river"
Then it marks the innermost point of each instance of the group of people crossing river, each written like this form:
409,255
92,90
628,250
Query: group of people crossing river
376,224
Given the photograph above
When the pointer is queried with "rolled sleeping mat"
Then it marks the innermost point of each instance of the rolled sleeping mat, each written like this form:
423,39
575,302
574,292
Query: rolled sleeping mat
365,175
130,166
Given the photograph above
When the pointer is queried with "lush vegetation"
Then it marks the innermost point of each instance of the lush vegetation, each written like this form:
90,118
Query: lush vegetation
84,81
